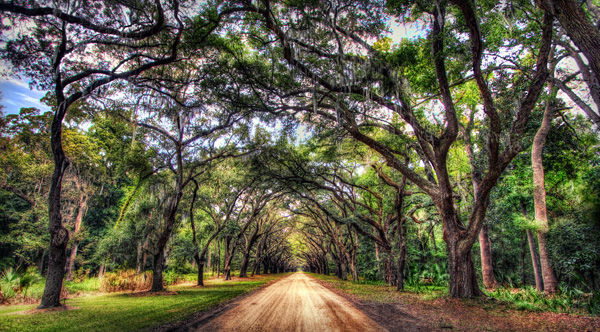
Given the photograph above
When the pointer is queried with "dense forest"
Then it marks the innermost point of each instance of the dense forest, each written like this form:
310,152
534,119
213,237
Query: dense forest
223,138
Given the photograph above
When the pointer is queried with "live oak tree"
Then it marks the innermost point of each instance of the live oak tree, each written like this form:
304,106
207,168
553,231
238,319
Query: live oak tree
188,139
223,199
77,48
337,77
70,48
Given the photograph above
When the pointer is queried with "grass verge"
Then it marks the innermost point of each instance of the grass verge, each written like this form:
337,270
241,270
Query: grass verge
432,310
124,312
380,292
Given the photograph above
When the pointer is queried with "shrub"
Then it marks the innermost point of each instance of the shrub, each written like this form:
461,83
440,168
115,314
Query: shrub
126,280
568,300
14,283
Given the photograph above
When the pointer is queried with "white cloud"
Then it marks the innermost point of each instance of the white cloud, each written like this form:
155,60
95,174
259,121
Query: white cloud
29,99
13,80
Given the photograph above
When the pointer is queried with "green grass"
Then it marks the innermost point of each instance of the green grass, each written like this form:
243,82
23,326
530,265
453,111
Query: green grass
90,285
122,312
527,298
366,291
378,291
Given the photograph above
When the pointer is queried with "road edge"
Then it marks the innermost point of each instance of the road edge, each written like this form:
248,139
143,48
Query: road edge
387,315
202,317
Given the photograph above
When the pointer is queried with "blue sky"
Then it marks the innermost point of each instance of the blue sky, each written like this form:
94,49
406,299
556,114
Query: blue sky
16,94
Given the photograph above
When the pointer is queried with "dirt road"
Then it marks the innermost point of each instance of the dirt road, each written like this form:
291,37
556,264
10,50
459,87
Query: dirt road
295,303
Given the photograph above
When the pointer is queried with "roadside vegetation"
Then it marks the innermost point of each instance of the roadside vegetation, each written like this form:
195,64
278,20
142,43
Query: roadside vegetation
126,310
503,310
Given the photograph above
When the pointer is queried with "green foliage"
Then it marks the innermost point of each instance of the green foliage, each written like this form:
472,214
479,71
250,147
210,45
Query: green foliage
427,275
570,300
14,283
126,312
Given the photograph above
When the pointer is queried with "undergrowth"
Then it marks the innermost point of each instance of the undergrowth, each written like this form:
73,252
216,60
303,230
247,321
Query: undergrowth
568,300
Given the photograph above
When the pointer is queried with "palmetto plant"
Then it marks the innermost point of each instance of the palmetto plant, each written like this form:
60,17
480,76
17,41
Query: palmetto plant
14,281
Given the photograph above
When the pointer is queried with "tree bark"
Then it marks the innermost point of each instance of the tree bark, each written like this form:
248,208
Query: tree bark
157,272
579,28
388,267
59,235
539,284
227,258
244,266
200,263
487,269
159,257
463,279
258,255
539,197
246,259
343,269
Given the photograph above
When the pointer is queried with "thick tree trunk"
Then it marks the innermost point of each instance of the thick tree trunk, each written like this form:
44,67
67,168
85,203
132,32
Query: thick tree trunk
227,266
463,279
539,197
200,273
244,266
400,270
343,269
157,273
459,243
487,269
248,249
59,235
227,271
388,268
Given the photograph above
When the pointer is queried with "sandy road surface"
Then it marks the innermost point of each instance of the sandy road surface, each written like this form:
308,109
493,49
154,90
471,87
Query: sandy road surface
295,303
